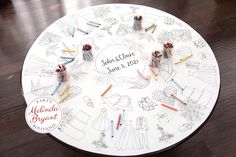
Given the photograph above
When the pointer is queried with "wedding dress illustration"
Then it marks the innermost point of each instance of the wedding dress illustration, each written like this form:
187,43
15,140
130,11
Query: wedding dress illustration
102,124
128,138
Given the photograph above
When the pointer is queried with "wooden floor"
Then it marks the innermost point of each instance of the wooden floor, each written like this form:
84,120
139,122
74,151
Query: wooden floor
23,20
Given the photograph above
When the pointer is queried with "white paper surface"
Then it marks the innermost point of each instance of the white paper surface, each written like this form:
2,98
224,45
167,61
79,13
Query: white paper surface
118,53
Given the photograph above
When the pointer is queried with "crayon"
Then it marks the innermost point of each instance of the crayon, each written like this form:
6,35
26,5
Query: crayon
55,90
65,89
150,27
112,128
177,84
184,59
82,31
106,90
64,98
118,122
169,107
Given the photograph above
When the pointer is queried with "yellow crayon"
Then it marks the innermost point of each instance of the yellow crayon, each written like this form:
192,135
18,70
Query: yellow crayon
68,51
153,74
184,59
64,98
65,89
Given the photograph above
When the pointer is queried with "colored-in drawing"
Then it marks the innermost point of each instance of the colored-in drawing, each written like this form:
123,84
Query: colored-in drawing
49,38
142,129
118,102
128,138
147,104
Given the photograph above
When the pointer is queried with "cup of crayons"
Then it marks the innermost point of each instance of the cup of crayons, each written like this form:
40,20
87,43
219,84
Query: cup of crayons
168,49
87,52
137,25
62,75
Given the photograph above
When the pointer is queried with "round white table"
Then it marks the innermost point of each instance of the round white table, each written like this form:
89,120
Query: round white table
141,113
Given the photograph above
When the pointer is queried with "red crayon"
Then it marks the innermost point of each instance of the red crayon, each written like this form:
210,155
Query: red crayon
118,122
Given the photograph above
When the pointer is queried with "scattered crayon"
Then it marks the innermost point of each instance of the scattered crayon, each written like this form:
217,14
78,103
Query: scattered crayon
73,32
184,59
55,90
153,74
106,90
67,57
69,51
177,84
94,23
112,128
82,31
169,107
154,29
64,98
175,97
68,62
64,89
150,27
118,122
90,24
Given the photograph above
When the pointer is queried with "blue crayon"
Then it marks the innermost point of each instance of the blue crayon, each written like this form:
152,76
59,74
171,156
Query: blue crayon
177,84
112,128
55,90
73,32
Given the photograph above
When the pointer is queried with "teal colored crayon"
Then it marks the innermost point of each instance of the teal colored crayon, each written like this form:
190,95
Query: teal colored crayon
112,128
68,62
55,90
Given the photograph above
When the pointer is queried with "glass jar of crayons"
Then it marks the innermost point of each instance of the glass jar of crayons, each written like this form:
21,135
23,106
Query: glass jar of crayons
168,49
137,25
87,52
62,75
